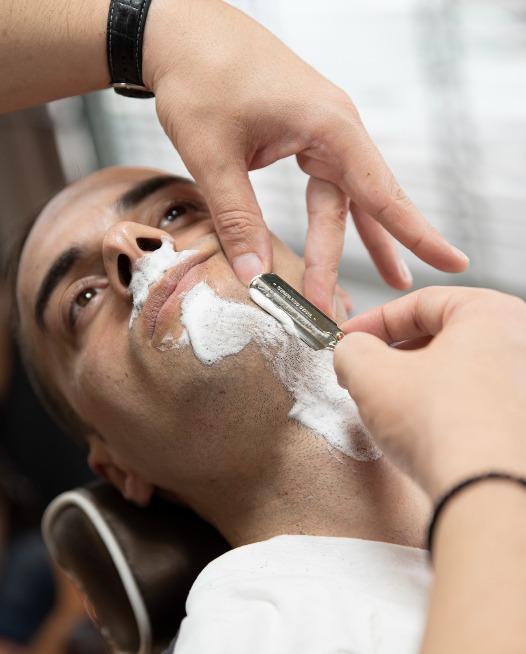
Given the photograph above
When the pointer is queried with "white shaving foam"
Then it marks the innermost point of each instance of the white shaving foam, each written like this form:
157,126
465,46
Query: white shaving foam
149,269
171,343
270,307
216,328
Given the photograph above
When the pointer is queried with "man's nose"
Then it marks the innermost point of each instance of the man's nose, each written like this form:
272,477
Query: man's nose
123,244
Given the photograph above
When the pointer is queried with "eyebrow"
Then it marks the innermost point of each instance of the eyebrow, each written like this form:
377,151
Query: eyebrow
59,269
141,191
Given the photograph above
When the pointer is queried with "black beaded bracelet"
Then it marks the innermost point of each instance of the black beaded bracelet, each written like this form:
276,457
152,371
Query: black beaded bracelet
459,487
125,35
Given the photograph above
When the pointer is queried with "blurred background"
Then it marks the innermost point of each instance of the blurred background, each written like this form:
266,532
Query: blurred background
441,88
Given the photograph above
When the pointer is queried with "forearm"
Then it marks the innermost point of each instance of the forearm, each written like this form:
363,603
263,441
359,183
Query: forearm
51,49
478,601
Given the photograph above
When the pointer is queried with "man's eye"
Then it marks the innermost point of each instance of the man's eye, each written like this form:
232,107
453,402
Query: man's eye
81,301
85,297
177,211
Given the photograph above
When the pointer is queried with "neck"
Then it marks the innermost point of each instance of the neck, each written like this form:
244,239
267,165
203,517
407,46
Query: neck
306,465
311,489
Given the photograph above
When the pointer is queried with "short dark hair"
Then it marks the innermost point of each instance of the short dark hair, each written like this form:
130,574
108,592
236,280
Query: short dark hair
49,395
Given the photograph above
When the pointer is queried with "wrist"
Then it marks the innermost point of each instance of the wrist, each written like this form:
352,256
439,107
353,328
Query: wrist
480,507
469,456
479,593
127,20
456,493
167,22
90,51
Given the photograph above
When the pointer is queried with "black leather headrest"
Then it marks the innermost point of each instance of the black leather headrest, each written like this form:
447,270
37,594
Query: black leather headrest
136,565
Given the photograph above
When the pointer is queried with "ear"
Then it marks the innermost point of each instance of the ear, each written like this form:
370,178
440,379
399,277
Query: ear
137,490
129,483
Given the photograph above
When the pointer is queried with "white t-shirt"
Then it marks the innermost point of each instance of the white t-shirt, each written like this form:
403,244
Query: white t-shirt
308,595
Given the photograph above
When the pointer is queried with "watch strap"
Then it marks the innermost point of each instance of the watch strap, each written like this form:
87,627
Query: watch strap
125,35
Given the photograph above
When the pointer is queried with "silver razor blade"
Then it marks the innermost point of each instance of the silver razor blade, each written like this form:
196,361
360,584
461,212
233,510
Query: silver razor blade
312,326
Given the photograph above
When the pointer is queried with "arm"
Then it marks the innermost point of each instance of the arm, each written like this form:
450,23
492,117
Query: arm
479,596
445,412
51,49
233,98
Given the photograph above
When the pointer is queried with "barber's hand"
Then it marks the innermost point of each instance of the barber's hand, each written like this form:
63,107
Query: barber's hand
233,98
455,405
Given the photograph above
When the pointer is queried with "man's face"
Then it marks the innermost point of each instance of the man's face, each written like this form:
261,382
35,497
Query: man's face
75,309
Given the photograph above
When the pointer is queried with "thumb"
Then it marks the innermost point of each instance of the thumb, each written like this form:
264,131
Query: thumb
366,366
237,217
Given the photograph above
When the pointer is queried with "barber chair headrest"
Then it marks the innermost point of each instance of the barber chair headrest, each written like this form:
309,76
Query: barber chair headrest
136,565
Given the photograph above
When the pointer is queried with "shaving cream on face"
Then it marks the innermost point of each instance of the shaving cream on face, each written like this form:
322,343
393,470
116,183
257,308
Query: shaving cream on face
216,328
270,307
149,269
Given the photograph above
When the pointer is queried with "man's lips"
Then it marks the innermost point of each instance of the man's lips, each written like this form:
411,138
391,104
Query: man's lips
175,281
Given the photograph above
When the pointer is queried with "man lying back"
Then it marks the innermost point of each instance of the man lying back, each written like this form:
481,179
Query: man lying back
144,344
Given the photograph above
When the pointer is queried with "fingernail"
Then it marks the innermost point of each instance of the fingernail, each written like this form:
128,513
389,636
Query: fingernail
405,272
247,266
461,254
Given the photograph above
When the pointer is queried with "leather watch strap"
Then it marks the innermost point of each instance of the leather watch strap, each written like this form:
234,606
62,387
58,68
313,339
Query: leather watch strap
126,21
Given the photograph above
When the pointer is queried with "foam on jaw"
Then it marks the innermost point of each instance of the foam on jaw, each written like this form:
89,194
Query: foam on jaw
270,307
149,269
216,328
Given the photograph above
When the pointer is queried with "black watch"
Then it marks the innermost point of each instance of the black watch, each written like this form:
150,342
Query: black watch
126,21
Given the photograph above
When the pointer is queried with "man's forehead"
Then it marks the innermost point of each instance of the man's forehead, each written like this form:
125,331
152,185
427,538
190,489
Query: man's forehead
95,192
79,213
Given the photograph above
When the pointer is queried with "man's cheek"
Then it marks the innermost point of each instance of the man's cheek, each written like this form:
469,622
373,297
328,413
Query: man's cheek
101,378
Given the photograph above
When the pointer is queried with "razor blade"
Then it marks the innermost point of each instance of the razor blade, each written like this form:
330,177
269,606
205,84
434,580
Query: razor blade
310,324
